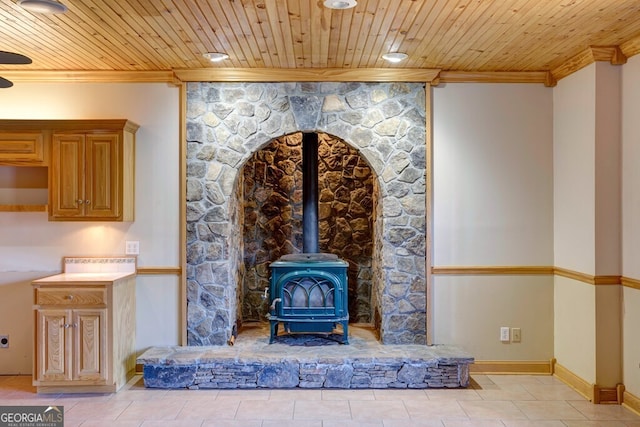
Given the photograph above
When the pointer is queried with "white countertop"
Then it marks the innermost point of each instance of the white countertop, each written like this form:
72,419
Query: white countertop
83,277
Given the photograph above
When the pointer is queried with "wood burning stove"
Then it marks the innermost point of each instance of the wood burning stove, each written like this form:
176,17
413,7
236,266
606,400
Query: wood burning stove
309,294
308,291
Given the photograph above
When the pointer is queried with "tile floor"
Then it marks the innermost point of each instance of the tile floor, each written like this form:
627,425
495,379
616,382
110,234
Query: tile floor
492,400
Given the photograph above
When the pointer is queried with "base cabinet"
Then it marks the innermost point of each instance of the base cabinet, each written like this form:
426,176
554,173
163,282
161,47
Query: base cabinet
85,336
72,345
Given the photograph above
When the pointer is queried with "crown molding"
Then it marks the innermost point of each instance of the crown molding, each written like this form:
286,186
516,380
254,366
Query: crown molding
307,75
90,76
611,54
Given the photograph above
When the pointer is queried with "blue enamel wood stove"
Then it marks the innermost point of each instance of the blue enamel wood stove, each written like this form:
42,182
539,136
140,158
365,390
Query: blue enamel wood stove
308,293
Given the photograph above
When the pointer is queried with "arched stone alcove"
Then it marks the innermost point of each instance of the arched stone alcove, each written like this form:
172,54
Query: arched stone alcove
228,122
272,204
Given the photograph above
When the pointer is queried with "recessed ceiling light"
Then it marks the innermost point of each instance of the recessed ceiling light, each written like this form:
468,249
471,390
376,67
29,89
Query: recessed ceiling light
43,6
394,56
216,56
340,4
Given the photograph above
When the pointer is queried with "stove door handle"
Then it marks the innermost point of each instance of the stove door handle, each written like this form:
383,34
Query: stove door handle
273,304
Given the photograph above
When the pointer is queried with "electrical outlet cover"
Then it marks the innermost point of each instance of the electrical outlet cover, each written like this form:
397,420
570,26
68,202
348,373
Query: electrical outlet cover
504,333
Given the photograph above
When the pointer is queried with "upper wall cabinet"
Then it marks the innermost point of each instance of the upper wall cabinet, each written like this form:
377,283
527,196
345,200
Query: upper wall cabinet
92,172
90,167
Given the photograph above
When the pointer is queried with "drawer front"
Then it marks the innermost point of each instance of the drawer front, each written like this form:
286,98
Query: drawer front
21,147
71,296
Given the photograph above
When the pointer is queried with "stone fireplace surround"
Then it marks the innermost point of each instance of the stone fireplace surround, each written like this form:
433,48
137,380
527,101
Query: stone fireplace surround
228,122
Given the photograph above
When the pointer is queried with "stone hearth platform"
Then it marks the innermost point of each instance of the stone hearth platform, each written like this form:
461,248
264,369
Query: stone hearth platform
305,361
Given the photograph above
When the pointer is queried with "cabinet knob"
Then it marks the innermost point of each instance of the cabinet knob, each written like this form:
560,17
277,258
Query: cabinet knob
87,202
80,201
70,297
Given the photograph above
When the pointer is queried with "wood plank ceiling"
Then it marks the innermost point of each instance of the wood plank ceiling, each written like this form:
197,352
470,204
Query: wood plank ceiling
448,35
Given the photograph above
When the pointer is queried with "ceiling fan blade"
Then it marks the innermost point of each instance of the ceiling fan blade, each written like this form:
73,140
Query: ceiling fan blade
13,58
4,83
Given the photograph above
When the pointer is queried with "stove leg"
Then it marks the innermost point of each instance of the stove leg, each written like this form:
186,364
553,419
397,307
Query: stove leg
345,332
274,331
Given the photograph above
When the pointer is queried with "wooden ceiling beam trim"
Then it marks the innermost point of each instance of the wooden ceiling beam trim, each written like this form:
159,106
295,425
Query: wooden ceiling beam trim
494,77
308,75
611,54
577,62
91,76
631,47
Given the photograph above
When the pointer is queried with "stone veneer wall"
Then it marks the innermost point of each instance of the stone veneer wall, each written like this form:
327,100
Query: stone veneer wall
228,122
273,216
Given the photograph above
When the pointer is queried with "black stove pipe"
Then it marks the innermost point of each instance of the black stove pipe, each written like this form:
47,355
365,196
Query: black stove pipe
310,234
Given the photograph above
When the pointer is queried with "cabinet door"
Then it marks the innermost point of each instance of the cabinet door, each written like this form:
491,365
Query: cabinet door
53,338
66,195
103,176
89,346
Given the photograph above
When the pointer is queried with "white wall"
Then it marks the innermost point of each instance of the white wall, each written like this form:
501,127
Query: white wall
631,221
574,172
587,221
31,247
493,206
574,102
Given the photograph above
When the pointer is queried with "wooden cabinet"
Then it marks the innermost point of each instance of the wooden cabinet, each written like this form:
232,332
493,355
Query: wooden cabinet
84,334
92,174
23,147
90,167
73,344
